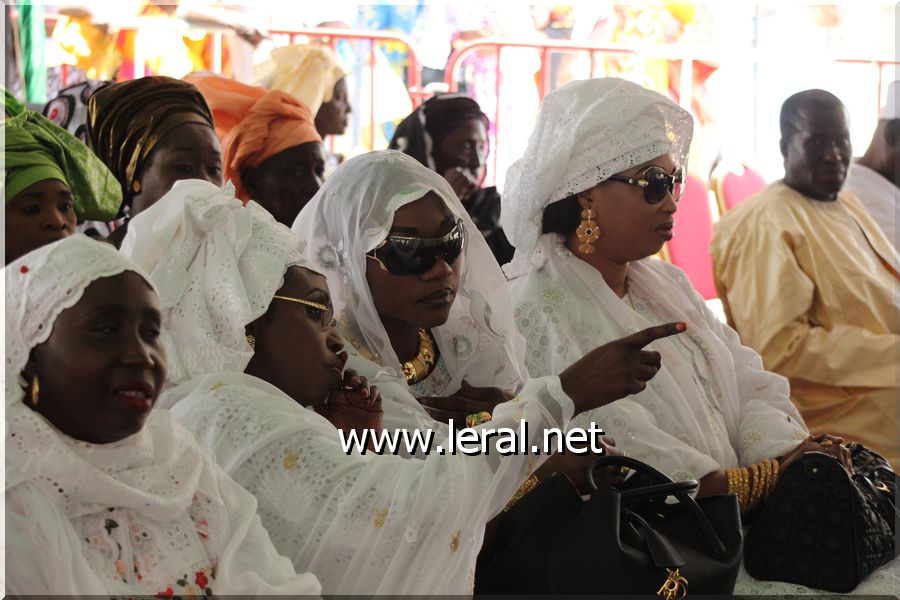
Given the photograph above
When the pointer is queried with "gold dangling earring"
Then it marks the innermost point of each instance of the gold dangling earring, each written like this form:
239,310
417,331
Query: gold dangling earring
588,232
34,393
251,340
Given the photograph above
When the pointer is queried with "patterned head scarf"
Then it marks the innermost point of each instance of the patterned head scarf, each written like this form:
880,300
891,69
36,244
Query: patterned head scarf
306,72
585,132
69,108
253,124
36,150
216,264
125,122
435,118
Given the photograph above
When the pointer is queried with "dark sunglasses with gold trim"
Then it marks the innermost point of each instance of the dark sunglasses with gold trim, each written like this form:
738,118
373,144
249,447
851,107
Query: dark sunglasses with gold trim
319,313
656,183
408,255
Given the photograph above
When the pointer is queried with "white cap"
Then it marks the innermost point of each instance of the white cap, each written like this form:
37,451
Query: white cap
890,110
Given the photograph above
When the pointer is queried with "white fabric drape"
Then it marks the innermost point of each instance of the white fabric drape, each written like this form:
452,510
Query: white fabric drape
149,514
564,308
365,524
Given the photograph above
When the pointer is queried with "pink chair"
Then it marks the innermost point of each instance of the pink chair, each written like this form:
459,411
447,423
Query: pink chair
735,183
689,249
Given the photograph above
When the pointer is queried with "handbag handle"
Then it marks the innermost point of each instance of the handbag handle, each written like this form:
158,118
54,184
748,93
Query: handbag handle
712,538
655,492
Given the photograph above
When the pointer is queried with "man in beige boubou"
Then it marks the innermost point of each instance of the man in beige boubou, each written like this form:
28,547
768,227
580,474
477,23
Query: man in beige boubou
810,281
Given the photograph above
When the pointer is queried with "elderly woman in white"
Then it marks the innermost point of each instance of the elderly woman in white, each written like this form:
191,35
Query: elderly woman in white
256,357
105,496
588,205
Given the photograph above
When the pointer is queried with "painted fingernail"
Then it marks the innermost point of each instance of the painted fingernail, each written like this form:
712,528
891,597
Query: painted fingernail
681,326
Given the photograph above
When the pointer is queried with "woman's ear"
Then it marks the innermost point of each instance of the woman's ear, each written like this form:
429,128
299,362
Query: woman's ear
586,198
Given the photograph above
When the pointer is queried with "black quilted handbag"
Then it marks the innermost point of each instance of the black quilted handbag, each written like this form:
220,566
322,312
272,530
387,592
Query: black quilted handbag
823,528
617,542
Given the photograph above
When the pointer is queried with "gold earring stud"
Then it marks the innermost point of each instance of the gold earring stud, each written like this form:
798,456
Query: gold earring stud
251,340
136,187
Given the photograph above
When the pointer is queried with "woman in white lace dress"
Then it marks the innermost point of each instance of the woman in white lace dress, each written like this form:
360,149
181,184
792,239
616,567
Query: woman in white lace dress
105,496
591,201
366,523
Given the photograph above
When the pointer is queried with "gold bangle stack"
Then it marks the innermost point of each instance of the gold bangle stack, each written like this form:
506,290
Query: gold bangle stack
529,484
752,485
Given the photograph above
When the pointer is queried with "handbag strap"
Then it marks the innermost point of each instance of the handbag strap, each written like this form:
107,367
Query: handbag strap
656,492
717,548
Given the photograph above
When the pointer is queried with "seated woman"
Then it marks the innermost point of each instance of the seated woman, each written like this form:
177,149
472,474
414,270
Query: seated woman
587,206
152,132
273,154
312,74
52,181
257,356
448,134
105,496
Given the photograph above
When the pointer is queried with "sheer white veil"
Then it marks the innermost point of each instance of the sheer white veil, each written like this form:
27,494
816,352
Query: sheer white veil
352,213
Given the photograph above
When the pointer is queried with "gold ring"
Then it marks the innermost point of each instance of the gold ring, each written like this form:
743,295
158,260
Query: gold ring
826,443
478,418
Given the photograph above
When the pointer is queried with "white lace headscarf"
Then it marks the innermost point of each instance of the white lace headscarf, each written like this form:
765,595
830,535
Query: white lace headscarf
216,264
352,213
585,132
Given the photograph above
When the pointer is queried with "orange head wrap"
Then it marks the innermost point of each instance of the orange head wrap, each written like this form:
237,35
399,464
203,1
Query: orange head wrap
253,124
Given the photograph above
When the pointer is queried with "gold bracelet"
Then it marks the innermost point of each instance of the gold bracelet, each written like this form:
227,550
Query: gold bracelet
732,485
756,487
528,485
775,466
744,496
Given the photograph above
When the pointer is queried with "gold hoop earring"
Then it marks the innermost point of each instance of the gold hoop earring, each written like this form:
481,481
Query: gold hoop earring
588,232
35,391
251,340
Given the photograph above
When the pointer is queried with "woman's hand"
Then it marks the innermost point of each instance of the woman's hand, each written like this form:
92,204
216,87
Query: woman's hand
466,401
829,444
463,181
616,369
355,405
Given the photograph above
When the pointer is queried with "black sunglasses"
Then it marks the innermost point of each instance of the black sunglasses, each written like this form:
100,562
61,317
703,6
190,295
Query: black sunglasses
656,183
408,255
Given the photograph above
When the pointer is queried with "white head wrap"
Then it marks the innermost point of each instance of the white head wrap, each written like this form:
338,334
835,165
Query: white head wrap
585,132
216,264
890,110
353,213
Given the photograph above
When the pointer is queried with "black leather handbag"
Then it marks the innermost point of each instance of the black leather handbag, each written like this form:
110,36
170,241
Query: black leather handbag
620,541
823,528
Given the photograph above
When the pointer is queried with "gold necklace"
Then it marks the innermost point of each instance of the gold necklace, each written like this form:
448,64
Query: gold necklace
418,368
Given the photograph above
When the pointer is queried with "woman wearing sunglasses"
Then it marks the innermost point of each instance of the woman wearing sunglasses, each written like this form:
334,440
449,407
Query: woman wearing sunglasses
591,201
259,366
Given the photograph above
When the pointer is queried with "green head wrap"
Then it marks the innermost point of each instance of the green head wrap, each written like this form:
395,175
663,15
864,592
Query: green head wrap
37,149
